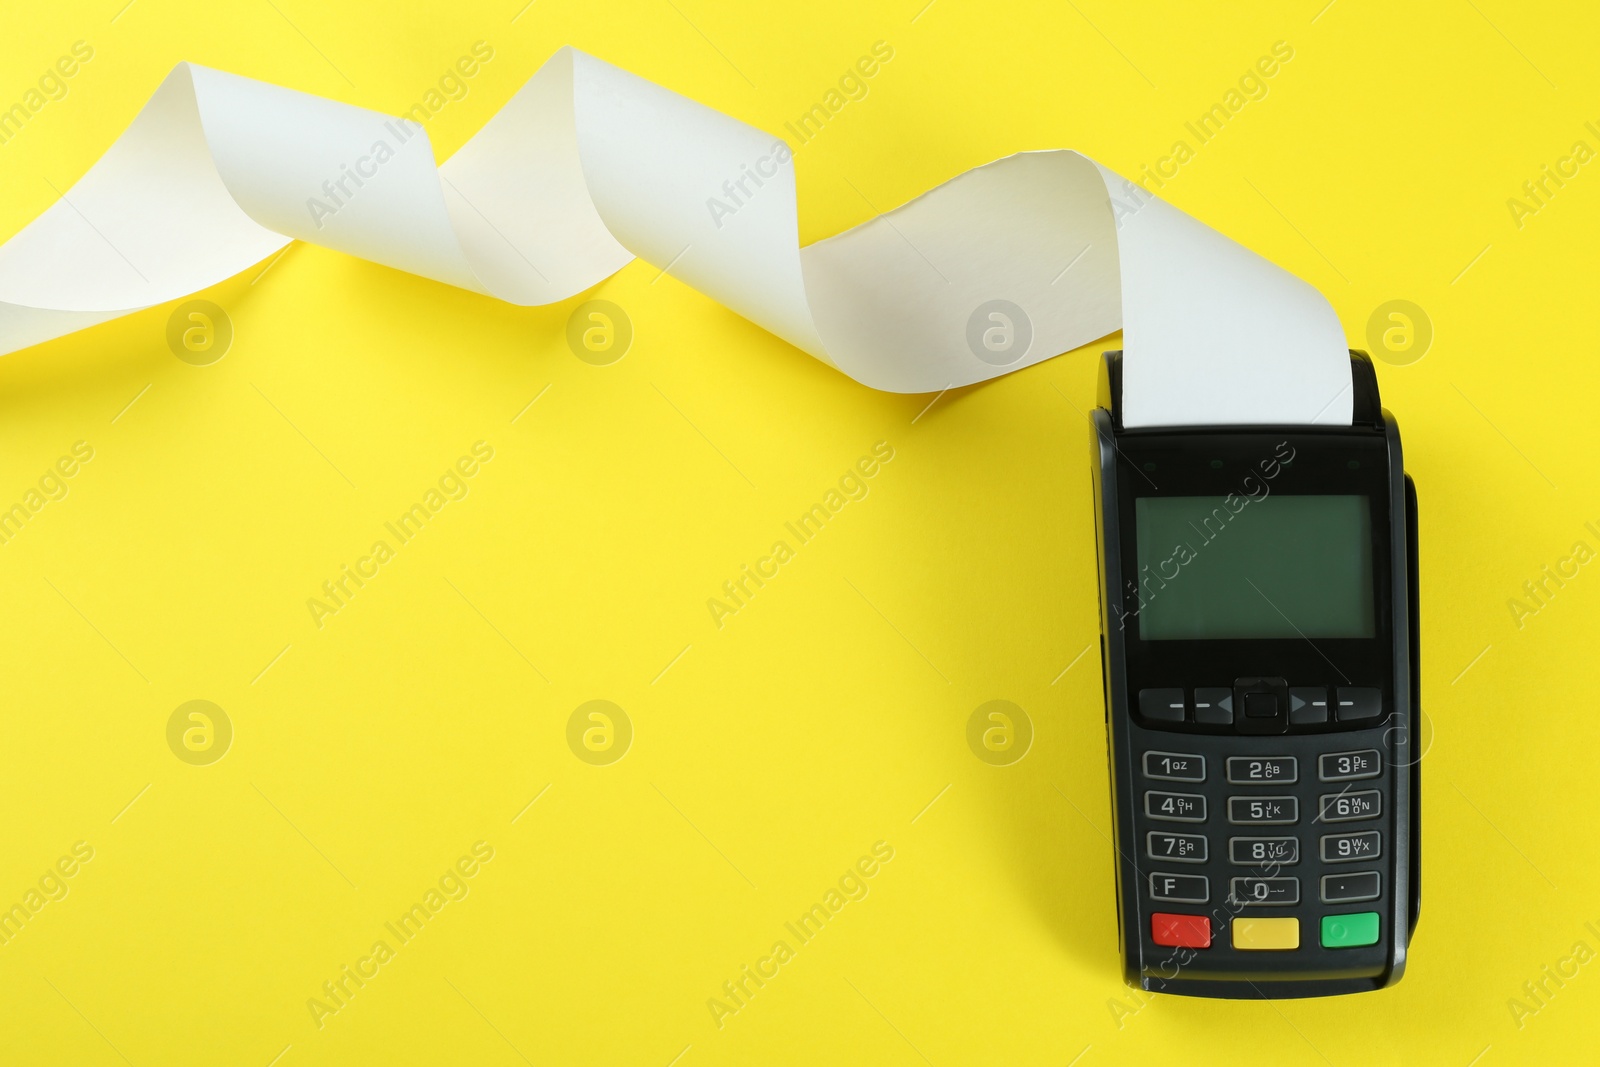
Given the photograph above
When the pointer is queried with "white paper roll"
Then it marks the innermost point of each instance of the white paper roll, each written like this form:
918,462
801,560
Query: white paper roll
588,166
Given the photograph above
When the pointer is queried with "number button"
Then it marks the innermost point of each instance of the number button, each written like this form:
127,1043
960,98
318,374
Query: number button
1175,766
1262,770
1183,888
1347,807
1342,848
1259,851
1183,848
1263,811
1265,890
1347,766
1175,807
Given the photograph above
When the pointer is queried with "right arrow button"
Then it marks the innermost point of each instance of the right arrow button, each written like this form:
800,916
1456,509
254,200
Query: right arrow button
1308,705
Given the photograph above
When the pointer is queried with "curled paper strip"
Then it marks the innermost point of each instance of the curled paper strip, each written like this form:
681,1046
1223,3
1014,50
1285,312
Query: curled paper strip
588,166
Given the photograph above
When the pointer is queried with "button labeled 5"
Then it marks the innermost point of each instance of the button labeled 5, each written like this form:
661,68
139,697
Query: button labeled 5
1263,811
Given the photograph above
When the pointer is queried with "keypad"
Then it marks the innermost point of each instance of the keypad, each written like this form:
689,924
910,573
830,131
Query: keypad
1263,811
1292,857
1175,807
1182,848
1263,770
1350,805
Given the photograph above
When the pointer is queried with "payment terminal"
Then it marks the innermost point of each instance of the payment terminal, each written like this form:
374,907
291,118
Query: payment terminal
1259,648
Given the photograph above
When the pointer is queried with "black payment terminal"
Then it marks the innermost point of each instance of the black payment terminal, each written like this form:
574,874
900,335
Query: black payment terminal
1259,648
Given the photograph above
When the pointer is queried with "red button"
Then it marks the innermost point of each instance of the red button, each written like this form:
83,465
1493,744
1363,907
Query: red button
1180,931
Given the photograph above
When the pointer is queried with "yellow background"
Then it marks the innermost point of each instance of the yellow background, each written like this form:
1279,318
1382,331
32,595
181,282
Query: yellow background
831,711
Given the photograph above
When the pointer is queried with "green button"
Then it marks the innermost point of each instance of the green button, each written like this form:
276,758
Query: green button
1350,931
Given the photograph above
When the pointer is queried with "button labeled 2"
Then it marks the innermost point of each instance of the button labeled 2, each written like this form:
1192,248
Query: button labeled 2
1262,770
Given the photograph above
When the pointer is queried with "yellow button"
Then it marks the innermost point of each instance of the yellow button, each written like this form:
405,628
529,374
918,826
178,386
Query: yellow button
1252,934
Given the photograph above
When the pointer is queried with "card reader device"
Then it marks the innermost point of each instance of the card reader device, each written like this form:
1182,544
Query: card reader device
1259,653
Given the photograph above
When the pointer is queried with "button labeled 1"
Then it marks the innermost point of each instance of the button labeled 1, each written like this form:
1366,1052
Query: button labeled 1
1175,766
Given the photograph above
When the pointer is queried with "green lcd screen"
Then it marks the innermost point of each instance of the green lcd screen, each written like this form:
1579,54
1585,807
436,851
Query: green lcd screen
1278,566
